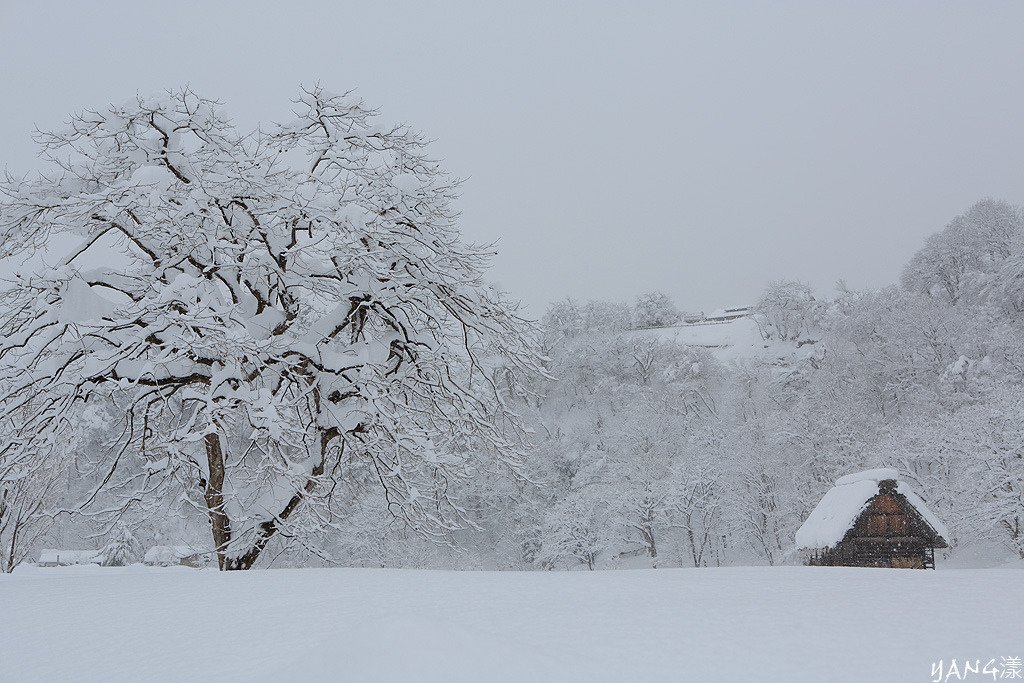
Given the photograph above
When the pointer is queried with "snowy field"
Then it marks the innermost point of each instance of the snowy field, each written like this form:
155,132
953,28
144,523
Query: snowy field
739,624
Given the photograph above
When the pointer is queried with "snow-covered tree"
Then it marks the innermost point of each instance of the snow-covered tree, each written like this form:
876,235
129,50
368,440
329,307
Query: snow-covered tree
787,310
29,495
575,530
568,319
638,482
970,464
999,468
266,304
1004,288
696,500
655,309
562,320
952,261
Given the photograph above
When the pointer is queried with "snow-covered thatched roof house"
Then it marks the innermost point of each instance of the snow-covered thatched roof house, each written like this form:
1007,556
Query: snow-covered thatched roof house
872,519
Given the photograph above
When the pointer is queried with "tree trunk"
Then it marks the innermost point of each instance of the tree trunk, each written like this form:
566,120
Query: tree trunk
220,523
693,545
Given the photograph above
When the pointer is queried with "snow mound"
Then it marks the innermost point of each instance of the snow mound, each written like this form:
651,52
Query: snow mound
837,511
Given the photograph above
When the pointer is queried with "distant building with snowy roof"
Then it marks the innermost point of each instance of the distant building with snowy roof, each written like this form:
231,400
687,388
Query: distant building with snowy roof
872,519
65,558
726,314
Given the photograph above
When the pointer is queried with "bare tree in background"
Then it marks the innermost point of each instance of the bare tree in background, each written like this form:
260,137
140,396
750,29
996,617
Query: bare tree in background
29,493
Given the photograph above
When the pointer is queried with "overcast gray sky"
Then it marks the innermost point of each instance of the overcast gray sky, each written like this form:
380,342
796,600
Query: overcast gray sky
701,149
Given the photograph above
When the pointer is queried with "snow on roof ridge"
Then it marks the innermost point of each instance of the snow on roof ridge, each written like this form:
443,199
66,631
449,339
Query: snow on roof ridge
876,475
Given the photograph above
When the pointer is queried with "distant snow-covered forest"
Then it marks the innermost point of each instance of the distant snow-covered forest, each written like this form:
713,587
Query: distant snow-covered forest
690,455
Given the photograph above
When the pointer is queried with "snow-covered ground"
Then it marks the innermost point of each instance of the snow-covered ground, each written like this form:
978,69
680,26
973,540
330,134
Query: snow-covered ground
739,624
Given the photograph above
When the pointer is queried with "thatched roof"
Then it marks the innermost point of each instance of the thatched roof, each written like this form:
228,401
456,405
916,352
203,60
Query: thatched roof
838,510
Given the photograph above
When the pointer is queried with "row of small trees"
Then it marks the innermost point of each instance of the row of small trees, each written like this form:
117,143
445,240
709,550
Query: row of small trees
569,318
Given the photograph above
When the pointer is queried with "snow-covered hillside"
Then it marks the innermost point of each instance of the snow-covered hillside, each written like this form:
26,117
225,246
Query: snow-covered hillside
738,624
728,340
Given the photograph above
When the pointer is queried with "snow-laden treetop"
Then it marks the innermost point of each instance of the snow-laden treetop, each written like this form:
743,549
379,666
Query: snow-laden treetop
840,507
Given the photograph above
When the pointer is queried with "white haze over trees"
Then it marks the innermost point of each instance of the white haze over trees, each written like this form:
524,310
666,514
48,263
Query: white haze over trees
273,345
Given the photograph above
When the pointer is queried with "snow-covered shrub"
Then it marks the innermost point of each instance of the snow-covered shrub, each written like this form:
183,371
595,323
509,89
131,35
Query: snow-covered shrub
122,549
